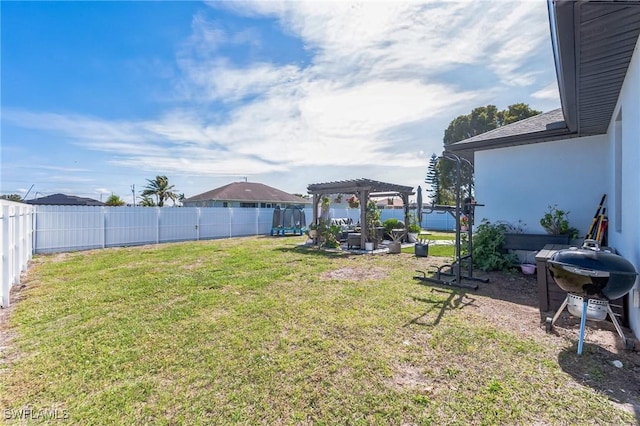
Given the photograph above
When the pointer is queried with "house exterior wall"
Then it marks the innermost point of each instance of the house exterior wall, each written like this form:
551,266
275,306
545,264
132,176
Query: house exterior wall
625,236
519,183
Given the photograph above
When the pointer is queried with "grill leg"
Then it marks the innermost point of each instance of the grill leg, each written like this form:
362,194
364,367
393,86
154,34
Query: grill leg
614,320
559,311
583,323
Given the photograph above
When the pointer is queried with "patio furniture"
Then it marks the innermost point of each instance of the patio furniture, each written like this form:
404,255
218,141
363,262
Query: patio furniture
353,240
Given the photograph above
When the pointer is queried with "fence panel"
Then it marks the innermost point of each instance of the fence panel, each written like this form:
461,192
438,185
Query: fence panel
68,228
130,226
214,223
177,224
16,231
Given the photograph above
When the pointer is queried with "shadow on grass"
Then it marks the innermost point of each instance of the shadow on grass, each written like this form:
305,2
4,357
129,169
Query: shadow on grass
595,368
455,300
508,286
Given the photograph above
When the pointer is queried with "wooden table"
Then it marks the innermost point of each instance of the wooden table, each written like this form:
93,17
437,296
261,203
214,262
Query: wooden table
397,234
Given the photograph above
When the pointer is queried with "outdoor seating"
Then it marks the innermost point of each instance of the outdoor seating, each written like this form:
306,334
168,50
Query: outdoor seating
353,239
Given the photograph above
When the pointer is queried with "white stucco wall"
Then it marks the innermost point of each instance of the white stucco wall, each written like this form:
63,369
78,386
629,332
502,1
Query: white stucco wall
519,183
627,240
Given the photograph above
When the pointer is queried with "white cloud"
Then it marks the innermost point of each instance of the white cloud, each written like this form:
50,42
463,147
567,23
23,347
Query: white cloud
375,68
549,92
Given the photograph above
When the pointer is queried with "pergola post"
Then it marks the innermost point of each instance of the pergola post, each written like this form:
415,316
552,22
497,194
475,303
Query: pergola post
405,202
363,196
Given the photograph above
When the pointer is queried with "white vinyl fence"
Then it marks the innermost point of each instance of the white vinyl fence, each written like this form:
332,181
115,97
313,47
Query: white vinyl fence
16,230
30,229
71,228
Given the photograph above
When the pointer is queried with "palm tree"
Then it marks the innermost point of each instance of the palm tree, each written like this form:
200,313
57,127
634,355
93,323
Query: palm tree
147,202
160,188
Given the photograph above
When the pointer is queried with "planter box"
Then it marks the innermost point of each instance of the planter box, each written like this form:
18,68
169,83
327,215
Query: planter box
532,242
395,247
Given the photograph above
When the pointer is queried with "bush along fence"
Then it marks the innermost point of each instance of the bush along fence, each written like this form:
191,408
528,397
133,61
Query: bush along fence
16,231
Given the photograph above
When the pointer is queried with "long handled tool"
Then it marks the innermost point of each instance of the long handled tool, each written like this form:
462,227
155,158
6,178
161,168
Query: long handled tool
602,226
596,218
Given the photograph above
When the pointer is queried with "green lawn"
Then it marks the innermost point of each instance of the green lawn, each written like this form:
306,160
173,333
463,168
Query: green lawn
261,331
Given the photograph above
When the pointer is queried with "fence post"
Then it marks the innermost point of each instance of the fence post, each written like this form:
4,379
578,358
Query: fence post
17,246
157,225
6,280
104,227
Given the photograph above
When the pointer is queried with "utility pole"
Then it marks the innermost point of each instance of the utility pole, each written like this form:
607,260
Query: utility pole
133,194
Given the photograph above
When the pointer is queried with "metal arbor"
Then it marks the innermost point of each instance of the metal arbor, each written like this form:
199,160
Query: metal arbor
466,206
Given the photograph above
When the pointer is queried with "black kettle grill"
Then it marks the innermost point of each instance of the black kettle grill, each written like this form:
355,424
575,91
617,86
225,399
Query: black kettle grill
591,272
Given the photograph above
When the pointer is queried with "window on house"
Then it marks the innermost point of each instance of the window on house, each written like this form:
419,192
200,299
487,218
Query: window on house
249,205
225,204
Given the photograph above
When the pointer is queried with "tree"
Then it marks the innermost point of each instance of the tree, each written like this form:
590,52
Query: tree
160,188
115,201
12,197
480,120
147,202
433,179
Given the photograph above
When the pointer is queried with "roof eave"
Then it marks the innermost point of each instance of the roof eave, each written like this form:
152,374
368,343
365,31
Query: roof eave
510,141
563,42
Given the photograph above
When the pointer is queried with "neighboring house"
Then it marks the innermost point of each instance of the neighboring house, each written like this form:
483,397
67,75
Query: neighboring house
389,202
64,200
591,146
245,194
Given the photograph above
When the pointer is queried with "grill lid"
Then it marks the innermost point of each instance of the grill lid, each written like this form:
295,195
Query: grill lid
590,270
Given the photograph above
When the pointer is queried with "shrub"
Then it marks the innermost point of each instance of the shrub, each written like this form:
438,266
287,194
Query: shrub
413,226
556,222
392,223
488,251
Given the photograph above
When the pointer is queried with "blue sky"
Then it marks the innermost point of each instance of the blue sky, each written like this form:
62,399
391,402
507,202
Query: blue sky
99,96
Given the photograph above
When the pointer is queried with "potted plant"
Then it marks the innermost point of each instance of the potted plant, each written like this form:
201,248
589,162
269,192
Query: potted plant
372,223
313,231
556,222
421,248
339,198
464,223
354,203
413,229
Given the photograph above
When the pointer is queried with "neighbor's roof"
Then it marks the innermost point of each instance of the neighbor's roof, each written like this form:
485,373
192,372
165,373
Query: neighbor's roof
248,192
64,200
593,42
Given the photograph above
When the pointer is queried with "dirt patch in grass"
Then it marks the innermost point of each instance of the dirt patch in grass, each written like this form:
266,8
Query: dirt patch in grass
355,274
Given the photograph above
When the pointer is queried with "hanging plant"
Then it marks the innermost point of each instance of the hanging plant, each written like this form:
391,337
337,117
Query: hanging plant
354,203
